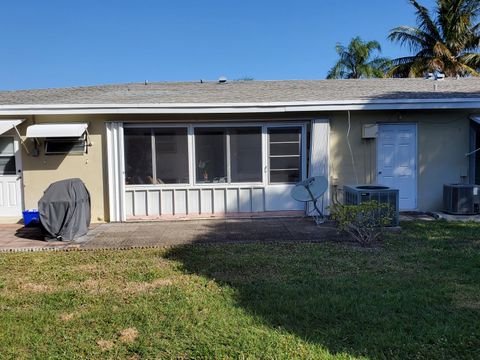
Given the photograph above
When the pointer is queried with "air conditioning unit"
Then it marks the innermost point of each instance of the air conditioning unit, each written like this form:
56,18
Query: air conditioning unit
357,194
461,199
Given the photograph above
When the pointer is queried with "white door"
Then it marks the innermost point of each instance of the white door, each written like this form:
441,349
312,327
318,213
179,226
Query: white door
397,161
10,177
285,165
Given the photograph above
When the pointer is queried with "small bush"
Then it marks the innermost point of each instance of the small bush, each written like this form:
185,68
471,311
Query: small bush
365,222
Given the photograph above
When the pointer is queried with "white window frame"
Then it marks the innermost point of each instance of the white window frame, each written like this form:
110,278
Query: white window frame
303,151
154,170
14,154
227,145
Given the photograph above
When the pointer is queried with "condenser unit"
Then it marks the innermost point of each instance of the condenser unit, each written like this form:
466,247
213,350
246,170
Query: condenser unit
357,194
461,199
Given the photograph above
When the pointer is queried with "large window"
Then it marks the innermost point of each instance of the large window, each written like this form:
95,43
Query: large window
156,156
228,155
285,154
220,155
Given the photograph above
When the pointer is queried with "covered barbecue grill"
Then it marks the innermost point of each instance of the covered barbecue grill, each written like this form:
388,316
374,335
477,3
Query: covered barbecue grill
64,210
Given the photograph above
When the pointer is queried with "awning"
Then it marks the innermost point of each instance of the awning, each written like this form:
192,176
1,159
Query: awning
6,125
56,130
475,118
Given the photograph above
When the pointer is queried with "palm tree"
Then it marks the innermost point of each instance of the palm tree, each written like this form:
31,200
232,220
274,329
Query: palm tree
448,43
356,61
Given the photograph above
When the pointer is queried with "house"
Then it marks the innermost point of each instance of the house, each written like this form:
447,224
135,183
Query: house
162,150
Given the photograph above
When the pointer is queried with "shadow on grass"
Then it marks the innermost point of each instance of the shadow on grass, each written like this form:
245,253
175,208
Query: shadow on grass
411,298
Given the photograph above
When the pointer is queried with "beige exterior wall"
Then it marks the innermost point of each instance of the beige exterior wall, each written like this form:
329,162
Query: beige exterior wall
443,140
40,171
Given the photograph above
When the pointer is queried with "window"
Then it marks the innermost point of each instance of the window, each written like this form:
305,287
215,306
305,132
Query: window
171,155
476,156
210,155
7,156
156,156
228,155
221,155
285,155
246,155
138,156
73,146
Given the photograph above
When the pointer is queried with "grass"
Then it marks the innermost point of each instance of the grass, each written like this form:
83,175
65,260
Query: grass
416,296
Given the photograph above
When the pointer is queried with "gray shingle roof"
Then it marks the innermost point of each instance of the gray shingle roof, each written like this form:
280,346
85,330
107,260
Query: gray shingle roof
248,92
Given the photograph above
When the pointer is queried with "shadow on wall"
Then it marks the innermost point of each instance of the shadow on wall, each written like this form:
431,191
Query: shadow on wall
348,300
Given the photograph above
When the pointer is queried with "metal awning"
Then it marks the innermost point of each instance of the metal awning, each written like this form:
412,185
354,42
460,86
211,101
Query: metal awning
475,118
56,130
6,125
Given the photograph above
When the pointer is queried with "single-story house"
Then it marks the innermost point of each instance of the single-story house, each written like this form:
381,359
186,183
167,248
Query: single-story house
162,150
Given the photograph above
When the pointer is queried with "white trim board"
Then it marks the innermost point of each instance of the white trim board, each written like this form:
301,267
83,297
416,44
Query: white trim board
223,108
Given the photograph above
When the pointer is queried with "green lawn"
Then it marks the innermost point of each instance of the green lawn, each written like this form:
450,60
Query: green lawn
416,296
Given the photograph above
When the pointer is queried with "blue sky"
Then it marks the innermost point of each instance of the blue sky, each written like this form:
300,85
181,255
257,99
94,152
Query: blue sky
60,43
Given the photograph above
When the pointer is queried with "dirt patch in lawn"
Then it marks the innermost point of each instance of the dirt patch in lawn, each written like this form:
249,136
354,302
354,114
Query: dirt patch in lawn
128,335
101,286
105,345
141,287
36,288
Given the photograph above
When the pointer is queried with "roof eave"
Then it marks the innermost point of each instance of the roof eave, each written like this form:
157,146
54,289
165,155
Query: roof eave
223,108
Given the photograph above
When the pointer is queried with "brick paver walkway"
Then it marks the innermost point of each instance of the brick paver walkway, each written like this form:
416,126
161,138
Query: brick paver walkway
170,233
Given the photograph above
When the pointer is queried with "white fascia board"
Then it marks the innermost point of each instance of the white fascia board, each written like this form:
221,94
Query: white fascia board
272,107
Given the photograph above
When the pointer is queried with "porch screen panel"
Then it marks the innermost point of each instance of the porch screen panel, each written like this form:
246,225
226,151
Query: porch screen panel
138,156
210,155
285,155
171,155
245,154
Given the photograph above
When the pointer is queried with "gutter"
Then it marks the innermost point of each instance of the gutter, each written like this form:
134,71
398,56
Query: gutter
224,108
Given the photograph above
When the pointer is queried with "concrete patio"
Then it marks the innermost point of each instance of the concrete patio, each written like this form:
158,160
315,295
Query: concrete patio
171,233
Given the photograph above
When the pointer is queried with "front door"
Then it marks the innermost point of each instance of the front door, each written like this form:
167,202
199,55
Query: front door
285,166
397,161
10,178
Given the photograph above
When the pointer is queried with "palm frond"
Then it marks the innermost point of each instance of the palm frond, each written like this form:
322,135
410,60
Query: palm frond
449,43
424,20
411,37
355,60
470,70
471,59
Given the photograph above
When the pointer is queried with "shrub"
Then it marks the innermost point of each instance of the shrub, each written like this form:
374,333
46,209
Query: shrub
365,222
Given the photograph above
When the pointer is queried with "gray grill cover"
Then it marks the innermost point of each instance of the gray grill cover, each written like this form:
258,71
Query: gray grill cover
65,209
